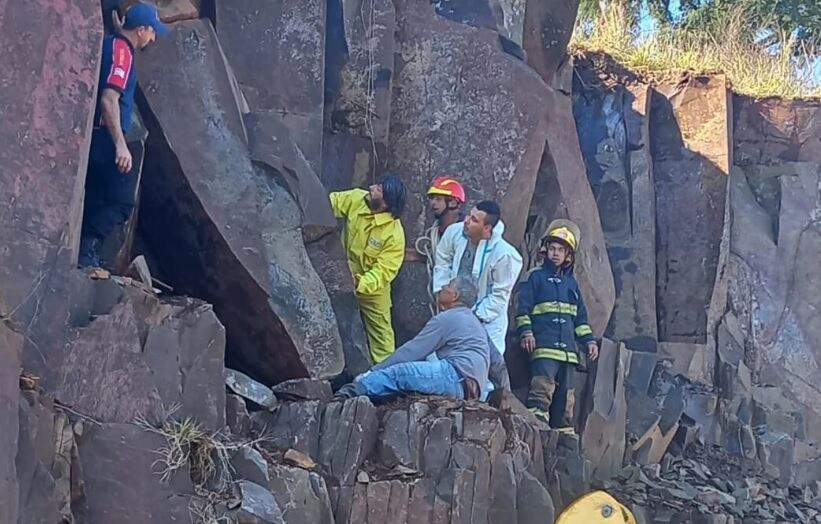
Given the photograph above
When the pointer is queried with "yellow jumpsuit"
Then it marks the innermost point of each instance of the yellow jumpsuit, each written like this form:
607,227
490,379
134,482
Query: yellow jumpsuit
375,244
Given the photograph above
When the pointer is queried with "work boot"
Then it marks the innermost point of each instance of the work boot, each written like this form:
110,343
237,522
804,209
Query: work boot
348,391
541,416
569,441
89,253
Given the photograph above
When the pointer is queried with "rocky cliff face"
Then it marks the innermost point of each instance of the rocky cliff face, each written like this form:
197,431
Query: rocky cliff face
722,190
698,211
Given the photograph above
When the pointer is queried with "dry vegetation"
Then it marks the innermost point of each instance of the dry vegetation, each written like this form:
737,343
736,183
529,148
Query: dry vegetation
751,69
205,456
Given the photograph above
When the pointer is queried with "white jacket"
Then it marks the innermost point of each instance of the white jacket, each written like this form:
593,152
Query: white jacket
496,268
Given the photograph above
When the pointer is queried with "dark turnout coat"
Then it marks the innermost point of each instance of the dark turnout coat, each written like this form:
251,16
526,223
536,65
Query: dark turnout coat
550,306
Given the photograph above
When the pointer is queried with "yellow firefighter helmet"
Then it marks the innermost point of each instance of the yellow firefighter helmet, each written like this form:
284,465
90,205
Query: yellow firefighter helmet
597,507
564,231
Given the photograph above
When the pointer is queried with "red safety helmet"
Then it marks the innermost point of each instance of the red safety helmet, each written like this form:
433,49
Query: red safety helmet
447,186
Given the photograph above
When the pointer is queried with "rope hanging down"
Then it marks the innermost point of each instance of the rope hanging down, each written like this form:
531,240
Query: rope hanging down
424,246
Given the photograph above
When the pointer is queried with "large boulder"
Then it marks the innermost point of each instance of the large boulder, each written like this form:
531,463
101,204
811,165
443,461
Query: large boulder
760,303
613,127
359,69
107,453
285,130
771,131
692,153
146,353
771,278
237,240
277,51
603,436
48,82
11,345
485,125
271,144
331,263
121,387
47,463
548,26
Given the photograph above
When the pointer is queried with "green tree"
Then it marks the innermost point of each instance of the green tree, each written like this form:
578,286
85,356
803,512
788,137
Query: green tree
768,22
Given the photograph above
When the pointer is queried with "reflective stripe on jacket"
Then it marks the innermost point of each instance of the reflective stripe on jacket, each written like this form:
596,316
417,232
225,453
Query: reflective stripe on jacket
374,242
550,306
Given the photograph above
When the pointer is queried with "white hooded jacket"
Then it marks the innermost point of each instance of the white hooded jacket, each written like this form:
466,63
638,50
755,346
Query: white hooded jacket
496,268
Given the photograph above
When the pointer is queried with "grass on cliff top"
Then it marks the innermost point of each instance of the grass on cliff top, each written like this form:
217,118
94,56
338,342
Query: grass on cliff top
750,69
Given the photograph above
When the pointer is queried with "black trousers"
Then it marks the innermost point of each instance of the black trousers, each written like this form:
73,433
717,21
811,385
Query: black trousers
110,195
552,395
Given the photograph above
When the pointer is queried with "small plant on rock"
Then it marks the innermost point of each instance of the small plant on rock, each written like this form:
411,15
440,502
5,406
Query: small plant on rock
206,455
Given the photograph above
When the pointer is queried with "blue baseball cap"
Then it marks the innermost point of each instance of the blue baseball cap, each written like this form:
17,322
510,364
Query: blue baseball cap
144,15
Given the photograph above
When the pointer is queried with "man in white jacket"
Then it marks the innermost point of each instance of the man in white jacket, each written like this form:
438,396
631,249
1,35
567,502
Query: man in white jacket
476,248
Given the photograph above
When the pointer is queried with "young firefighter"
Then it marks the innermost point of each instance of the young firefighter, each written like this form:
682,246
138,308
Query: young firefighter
551,319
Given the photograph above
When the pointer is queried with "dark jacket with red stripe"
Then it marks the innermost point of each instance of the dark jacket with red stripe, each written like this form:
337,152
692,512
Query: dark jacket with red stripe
550,306
117,72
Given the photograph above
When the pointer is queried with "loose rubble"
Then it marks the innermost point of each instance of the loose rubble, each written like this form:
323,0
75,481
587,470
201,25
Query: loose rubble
712,486
249,389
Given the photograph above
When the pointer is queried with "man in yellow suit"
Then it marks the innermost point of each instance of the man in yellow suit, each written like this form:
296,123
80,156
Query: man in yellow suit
375,242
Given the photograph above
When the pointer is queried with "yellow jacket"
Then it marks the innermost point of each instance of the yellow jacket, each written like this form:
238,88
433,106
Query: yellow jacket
375,242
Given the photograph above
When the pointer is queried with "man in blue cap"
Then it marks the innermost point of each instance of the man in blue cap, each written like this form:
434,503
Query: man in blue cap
110,188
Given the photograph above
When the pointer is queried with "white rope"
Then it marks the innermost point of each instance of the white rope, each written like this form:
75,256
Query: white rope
425,246
370,90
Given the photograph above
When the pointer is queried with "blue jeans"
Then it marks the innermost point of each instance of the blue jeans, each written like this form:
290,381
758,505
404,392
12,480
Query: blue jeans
486,391
428,378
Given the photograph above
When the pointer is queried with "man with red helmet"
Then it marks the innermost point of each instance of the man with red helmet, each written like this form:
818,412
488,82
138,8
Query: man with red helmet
446,197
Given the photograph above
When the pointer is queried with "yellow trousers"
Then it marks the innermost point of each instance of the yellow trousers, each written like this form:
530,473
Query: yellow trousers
376,315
